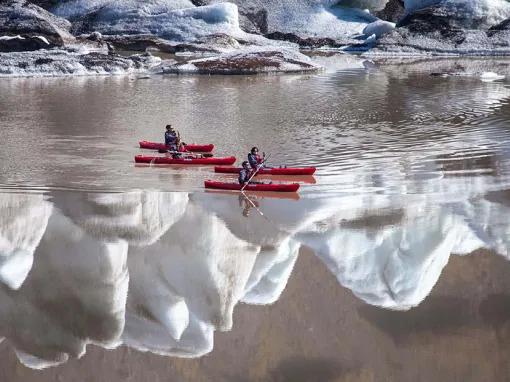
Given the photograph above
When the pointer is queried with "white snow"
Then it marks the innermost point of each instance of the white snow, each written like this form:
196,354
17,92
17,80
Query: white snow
18,37
378,28
64,63
43,39
173,20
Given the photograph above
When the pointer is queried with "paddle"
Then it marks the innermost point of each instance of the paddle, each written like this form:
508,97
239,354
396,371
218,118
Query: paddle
254,205
255,172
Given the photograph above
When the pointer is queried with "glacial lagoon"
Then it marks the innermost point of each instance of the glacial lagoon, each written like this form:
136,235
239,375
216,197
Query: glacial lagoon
390,264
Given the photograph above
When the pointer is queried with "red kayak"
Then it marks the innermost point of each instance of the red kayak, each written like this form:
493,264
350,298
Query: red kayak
186,161
270,170
284,187
161,146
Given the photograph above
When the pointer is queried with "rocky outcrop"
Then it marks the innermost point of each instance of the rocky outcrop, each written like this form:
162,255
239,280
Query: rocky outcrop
19,17
394,11
446,29
250,62
304,42
142,43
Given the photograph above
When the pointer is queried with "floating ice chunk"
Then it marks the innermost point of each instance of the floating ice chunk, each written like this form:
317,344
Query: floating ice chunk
378,28
491,76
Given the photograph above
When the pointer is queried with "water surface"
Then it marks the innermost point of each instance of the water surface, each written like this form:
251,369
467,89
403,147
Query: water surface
391,263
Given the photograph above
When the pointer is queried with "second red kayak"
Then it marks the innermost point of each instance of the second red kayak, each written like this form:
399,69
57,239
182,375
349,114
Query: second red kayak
283,187
186,161
270,170
161,146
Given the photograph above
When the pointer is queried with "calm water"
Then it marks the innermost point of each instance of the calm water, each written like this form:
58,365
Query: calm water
391,264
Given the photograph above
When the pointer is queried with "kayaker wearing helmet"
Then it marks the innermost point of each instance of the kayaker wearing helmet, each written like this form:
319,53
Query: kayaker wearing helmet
254,159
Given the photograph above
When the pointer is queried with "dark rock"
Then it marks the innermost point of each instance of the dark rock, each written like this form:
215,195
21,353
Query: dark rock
445,29
304,42
394,11
199,3
46,4
503,26
19,17
143,43
442,17
43,61
253,20
246,63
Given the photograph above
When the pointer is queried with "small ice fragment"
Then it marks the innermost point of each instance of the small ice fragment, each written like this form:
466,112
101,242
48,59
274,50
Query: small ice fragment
491,76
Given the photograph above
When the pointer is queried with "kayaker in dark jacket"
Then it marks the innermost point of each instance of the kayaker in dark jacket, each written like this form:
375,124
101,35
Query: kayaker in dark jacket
171,138
254,159
246,173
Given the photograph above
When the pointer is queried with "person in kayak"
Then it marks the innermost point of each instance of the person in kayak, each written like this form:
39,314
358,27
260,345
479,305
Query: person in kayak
171,138
246,173
254,159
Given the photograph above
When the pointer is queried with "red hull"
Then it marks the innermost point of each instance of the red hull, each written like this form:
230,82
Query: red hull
191,161
161,146
287,187
270,171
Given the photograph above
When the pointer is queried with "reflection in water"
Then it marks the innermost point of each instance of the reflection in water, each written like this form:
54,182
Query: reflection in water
161,272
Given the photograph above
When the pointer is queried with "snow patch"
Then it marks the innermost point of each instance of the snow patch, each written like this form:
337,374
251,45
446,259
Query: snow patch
378,28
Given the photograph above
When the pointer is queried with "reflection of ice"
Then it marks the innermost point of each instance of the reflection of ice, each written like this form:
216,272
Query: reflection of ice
186,285
191,261
23,220
396,266
74,295
270,273
139,217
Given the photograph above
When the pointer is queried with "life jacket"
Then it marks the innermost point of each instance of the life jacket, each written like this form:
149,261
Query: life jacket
170,138
244,176
254,159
